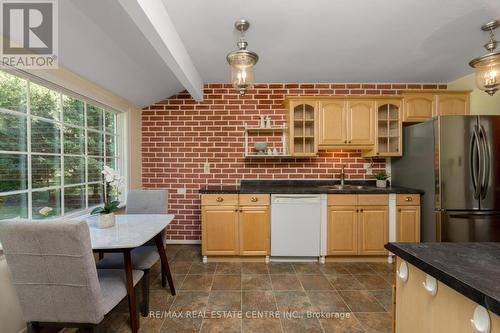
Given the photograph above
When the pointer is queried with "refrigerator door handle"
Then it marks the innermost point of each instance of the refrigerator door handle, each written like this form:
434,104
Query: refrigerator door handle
485,162
475,148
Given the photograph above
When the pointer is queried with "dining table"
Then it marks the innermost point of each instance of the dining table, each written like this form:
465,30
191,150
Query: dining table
130,232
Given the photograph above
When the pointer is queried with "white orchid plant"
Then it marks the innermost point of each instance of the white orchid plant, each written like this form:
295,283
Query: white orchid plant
114,184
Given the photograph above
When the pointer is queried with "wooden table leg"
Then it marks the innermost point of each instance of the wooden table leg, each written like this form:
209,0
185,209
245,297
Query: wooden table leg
164,262
130,289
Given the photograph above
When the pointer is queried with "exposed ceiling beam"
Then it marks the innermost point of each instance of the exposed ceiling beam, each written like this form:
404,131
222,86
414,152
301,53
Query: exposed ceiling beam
152,18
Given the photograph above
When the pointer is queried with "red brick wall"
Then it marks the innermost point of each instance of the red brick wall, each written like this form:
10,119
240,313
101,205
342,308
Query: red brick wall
179,135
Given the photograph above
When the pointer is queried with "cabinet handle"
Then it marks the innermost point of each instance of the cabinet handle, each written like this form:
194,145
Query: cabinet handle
241,210
361,210
399,210
219,199
345,141
357,210
254,199
408,199
236,211
349,141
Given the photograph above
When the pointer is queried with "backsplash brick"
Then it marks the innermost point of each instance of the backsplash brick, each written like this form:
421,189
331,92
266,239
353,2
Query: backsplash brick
179,135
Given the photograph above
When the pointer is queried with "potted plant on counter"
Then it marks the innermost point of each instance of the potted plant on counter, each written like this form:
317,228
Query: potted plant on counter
382,177
105,214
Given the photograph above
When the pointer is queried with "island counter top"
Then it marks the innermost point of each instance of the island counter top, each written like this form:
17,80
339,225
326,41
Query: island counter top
471,269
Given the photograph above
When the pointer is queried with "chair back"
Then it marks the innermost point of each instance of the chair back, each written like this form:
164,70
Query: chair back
53,270
148,202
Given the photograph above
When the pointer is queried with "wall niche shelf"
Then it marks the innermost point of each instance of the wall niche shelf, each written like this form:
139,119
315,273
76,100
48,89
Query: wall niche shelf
275,137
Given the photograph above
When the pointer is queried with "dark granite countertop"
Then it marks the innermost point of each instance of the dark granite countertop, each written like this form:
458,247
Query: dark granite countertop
303,187
472,269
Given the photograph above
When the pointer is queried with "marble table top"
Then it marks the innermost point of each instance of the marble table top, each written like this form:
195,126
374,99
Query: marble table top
130,231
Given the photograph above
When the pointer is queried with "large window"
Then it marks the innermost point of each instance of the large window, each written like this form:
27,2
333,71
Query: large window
53,147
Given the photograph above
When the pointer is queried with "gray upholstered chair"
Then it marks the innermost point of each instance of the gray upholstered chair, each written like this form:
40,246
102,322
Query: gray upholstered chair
144,257
54,274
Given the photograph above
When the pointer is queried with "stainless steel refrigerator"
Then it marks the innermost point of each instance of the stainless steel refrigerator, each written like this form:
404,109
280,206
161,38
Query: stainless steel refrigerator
456,161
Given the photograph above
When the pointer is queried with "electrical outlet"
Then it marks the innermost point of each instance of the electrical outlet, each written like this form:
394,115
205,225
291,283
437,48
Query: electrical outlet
368,168
206,167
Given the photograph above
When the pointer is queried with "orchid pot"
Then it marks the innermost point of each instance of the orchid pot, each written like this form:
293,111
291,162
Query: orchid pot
105,214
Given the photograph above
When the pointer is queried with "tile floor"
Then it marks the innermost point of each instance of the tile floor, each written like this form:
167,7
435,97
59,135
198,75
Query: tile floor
360,290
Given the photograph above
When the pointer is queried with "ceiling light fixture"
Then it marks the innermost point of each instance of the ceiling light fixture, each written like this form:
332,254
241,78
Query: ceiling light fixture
487,67
242,61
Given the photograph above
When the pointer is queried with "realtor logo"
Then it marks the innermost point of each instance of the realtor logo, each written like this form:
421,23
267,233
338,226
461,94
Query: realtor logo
29,33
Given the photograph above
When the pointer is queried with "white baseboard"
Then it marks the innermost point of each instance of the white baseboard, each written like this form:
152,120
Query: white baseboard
179,241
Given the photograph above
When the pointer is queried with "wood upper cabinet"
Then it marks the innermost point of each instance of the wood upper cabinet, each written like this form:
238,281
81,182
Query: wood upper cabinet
219,230
342,230
254,225
453,104
303,124
373,226
346,122
332,120
361,122
419,106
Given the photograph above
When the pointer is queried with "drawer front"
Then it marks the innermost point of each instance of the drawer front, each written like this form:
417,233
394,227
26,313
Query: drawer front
219,199
408,199
342,199
254,199
373,199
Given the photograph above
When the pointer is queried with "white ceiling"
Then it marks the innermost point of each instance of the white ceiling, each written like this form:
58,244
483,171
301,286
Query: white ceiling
338,41
99,42
297,41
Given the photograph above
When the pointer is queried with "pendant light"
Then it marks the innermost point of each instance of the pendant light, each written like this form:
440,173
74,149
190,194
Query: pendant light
487,67
242,61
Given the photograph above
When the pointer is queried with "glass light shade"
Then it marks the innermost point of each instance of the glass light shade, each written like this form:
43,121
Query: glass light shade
242,74
487,69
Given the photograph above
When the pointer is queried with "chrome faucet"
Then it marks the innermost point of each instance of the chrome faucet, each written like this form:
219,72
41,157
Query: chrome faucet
342,176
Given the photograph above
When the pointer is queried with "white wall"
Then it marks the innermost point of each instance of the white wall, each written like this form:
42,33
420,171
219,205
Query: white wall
10,310
480,102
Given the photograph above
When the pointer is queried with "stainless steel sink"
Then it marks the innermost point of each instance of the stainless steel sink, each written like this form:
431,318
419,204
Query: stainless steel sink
345,187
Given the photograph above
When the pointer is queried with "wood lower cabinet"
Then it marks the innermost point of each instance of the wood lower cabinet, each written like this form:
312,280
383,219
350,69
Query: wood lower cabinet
254,230
342,230
373,229
408,224
355,228
408,218
219,230
233,224
447,311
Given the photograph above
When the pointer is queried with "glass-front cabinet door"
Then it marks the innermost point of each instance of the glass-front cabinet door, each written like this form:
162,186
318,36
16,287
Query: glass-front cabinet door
388,129
303,128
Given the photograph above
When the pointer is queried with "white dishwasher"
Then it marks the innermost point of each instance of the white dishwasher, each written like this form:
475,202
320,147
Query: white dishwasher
298,225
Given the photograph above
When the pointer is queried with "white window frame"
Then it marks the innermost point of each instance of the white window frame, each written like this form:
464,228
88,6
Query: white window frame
119,134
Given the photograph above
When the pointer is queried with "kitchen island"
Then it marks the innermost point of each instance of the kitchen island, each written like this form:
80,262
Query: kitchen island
454,287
